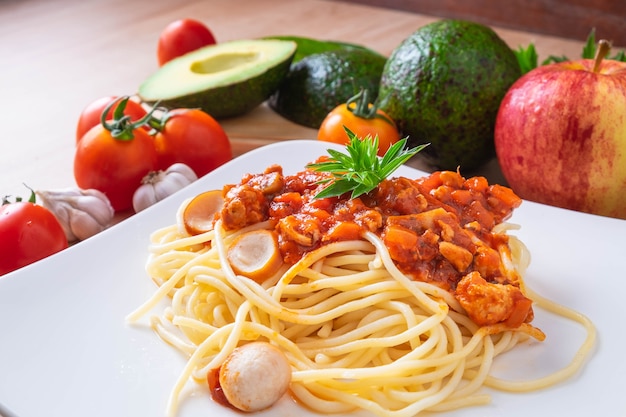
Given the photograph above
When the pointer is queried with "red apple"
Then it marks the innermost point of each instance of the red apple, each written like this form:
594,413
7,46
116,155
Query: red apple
560,135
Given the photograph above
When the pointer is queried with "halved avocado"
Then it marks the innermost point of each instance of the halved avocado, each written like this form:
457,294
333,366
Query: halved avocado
226,79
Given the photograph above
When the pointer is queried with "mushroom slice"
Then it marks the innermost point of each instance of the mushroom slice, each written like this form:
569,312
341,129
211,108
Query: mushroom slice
255,376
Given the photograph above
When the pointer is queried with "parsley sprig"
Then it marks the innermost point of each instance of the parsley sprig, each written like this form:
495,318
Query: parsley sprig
529,60
361,170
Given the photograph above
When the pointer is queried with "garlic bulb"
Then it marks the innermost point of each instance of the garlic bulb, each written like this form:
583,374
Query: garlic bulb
159,184
82,213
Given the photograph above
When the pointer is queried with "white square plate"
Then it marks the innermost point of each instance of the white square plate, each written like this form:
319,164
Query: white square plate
66,350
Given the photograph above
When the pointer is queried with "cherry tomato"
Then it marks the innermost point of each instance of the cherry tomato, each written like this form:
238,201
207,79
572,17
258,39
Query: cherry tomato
182,36
92,114
113,157
194,138
362,118
30,232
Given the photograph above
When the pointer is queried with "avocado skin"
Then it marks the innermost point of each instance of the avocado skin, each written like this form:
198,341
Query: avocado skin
319,82
443,85
234,99
310,46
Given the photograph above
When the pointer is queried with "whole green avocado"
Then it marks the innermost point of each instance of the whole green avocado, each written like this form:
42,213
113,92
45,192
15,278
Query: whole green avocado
443,85
319,82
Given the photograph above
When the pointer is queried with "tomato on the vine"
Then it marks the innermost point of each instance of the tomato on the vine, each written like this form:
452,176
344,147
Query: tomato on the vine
30,232
182,36
361,117
114,156
92,113
192,137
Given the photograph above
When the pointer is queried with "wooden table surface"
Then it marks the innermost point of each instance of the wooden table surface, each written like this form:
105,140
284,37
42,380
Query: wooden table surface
58,56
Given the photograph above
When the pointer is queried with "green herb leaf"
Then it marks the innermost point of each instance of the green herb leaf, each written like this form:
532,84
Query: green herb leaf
361,170
589,50
591,47
527,58
553,59
620,56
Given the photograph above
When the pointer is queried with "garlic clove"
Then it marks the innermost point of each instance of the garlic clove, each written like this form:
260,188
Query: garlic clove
82,213
90,201
158,185
83,225
184,170
145,195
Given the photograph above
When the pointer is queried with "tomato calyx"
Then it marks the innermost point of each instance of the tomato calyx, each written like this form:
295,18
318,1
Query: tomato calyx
122,126
158,123
364,109
17,199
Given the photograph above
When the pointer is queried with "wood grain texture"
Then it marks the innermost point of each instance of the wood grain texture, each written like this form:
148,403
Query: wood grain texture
572,19
59,56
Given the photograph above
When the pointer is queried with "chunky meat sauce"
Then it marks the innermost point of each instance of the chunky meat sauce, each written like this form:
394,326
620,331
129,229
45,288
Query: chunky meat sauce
437,228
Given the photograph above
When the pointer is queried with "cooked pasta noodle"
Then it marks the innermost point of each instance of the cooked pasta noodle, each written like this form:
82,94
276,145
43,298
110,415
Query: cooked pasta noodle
359,334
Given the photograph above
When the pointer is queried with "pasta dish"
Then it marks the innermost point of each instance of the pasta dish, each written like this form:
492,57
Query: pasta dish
395,302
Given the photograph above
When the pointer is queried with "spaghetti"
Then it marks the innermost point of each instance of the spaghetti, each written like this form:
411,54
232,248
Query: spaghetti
361,328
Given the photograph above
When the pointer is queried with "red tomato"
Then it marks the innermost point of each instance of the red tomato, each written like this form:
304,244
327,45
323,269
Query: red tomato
194,138
30,232
182,36
92,114
361,118
112,165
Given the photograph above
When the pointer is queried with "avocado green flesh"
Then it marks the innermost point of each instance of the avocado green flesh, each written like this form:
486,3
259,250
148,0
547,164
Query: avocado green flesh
322,81
224,80
443,85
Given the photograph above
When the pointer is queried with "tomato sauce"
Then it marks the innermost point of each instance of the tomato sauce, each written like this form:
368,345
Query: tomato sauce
215,388
437,228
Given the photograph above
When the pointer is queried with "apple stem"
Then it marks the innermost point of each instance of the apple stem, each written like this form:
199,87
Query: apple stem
604,47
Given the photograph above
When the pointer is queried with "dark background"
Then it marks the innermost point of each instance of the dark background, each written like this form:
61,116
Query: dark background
571,19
